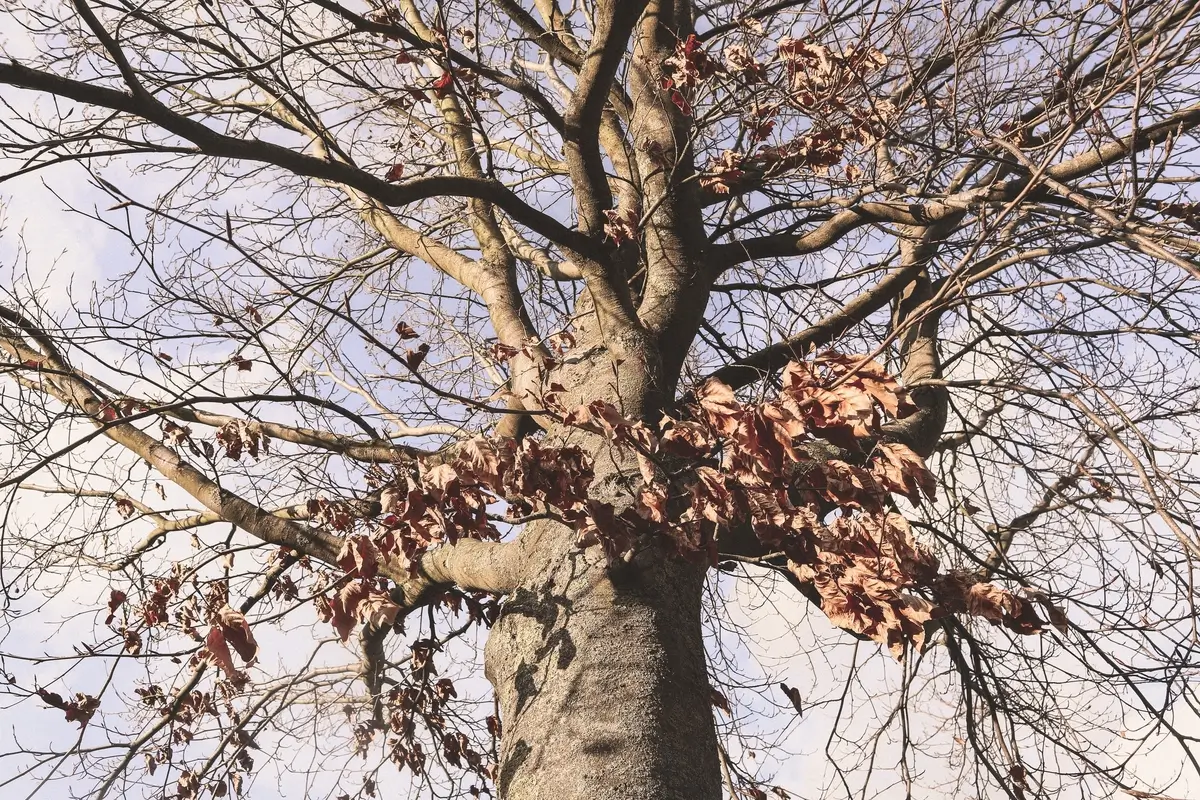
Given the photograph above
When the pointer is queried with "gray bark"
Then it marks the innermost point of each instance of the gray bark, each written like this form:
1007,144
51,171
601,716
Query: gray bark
600,675
599,668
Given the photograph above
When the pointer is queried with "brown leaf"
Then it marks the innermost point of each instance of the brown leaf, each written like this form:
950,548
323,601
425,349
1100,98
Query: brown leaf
561,342
188,786
686,439
218,652
1024,620
444,689
711,498
377,611
416,357
899,469
964,593
115,598
621,227
443,85
723,173
502,353
343,607
716,398
124,508
989,601
1058,617
847,485
78,710
174,435
237,633
359,556
652,503
690,64
719,700
358,602
793,695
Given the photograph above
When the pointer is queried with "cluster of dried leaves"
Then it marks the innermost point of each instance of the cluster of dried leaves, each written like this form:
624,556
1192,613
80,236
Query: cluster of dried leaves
809,474
812,477
818,96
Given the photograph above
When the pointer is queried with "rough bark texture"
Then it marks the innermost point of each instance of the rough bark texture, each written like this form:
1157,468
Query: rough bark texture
601,679
599,668
603,199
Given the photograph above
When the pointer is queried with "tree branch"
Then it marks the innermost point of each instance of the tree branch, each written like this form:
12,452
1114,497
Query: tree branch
614,23
919,356
469,564
219,145
932,211
771,359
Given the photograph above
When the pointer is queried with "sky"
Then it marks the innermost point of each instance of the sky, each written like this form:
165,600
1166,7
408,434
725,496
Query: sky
64,256
57,249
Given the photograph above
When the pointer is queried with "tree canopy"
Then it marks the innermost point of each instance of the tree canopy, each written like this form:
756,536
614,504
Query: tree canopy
613,399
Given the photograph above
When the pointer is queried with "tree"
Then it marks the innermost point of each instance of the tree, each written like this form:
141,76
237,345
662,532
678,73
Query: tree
618,336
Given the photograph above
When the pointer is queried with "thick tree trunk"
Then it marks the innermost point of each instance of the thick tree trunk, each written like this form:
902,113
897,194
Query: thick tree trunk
600,675
599,668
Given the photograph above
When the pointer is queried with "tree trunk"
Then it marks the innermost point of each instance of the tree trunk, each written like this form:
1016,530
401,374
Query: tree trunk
599,668
600,674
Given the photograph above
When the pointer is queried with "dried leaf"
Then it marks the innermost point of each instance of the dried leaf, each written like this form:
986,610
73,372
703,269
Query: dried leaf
443,85
231,629
414,358
115,599
80,710
359,556
793,696
621,227
719,700
899,469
